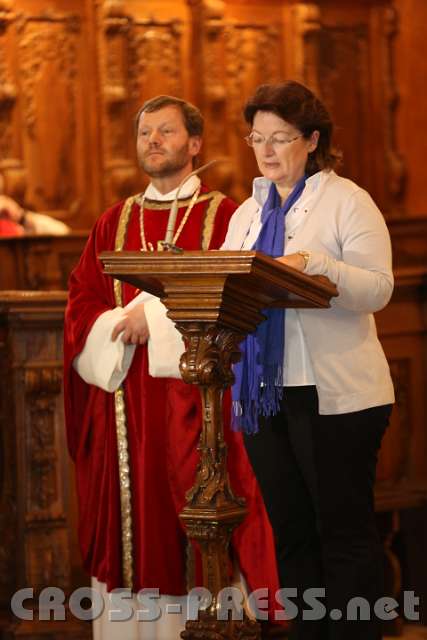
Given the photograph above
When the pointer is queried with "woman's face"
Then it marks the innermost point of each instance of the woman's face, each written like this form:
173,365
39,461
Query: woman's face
280,149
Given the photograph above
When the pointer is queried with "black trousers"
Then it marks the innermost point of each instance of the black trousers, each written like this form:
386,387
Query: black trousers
316,474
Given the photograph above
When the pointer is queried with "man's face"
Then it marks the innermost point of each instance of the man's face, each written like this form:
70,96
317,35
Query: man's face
164,146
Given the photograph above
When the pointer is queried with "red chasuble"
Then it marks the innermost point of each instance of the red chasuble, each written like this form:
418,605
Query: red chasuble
163,427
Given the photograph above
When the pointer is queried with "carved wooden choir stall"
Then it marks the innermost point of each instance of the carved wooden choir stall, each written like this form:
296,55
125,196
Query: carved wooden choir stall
38,536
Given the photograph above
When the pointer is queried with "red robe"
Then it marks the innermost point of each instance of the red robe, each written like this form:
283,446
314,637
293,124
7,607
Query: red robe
163,422
10,229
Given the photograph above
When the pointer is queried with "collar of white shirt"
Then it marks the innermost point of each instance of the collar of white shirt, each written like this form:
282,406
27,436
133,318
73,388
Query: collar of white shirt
187,189
261,186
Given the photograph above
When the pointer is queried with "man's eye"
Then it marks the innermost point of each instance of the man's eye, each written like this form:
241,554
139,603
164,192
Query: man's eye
167,132
144,134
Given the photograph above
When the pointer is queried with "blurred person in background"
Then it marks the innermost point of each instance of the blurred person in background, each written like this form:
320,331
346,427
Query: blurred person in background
18,221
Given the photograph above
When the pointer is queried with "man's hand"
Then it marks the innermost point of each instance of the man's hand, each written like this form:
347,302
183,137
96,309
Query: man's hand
134,326
10,209
295,260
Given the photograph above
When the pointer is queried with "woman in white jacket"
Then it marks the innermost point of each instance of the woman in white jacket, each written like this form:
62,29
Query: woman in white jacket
313,390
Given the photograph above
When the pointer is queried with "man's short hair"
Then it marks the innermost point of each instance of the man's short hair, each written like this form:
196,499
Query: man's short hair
192,116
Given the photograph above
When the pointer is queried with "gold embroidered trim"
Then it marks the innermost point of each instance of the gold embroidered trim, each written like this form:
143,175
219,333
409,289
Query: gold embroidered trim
144,246
125,492
166,204
120,241
208,223
121,426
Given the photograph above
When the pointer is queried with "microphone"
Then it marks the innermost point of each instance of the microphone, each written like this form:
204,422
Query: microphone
167,242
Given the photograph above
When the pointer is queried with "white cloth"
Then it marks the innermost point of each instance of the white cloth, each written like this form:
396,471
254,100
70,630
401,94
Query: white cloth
349,243
168,625
165,344
105,363
188,188
43,224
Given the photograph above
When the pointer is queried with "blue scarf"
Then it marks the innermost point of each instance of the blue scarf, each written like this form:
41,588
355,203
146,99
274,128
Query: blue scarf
258,386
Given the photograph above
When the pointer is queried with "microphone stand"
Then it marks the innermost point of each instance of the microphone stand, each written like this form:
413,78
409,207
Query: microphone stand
167,243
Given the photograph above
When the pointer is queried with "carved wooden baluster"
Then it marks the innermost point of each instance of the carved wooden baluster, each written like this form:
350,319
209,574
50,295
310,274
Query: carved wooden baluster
212,511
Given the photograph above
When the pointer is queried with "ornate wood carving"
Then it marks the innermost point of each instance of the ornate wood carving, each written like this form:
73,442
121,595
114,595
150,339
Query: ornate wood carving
346,94
34,496
302,43
210,51
46,53
8,480
211,87
42,386
356,79
395,174
47,557
253,56
402,479
207,362
8,99
231,56
141,57
39,262
156,58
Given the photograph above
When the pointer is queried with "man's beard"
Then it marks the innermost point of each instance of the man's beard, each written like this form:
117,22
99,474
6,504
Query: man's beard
169,165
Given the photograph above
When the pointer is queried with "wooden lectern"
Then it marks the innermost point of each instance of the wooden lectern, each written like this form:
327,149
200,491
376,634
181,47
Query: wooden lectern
215,298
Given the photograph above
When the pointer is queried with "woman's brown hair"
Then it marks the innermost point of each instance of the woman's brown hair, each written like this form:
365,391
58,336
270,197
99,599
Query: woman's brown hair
296,104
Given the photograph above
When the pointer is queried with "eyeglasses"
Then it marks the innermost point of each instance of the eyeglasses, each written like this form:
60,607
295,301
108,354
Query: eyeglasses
277,140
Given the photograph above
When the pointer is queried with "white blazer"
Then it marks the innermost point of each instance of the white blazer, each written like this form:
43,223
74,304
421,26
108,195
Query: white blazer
348,241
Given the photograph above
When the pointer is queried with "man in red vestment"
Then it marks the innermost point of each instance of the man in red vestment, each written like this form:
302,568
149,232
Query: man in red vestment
132,435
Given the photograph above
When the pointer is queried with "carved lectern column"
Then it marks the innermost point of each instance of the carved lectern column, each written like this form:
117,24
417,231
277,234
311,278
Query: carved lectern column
215,298
212,511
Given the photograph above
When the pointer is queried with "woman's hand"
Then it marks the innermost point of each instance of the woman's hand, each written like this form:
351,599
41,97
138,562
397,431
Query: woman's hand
294,260
134,326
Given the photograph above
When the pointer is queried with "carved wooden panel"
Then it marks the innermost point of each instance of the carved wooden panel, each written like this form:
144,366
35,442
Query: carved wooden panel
48,47
410,72
302,23
43,135
402,330
355,78
236,47
143,52
39,262
73,75
10,140
36,499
